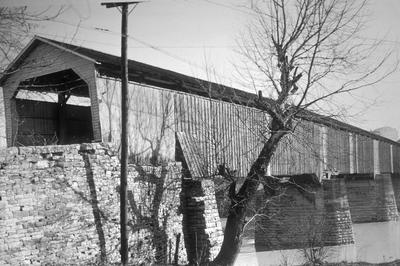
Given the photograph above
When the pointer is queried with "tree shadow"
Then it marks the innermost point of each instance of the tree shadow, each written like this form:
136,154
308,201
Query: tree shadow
97,214
100,218
149,214
153,217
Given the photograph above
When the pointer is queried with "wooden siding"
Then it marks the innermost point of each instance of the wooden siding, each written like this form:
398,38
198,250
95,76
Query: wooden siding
365,155
3,135
228,134
338,147
299,152
38,123
353,153
396,159
151,119
385,164
192,157
35,120
375,145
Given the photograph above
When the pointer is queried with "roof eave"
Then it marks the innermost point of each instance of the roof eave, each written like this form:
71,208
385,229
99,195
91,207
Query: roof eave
65,49
25,51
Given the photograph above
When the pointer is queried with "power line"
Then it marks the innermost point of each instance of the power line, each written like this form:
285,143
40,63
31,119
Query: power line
156,48
148,45
234,8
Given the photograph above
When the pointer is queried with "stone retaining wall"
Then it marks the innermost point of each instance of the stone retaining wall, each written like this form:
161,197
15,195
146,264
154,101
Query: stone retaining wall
60,205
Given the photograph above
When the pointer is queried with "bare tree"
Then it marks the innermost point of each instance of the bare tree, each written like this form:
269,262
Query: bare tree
13,26
16,24
295,48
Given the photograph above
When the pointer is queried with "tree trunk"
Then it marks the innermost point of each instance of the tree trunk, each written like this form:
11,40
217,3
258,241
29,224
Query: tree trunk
239,203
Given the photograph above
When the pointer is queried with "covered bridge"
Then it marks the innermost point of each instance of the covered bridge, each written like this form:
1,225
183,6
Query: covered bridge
58,93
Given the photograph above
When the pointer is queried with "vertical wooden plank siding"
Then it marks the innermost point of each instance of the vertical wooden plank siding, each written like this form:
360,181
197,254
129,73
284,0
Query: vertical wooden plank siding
234,134
149,109
385,164
351,153
354,159
391,159
332,150
365,154
225,134
396,159
338,157
324,147
299,152
210,128
376,156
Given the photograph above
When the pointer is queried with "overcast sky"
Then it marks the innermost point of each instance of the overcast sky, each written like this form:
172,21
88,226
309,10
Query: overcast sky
187,35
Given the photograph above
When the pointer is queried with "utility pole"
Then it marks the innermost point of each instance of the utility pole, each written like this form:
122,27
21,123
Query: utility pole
124,124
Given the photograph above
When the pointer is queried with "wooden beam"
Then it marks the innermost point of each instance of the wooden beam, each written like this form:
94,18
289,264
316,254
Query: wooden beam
117,4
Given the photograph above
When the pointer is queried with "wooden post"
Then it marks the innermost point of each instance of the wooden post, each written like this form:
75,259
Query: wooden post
124,127
351,153
62,99
124,135
375,150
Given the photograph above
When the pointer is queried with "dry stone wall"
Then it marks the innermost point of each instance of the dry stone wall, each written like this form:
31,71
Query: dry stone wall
60,205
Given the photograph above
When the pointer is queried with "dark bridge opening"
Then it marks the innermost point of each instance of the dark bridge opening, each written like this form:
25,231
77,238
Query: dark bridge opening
52,109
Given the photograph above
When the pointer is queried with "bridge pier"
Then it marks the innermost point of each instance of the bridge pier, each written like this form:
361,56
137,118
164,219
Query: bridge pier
311,216
201,223
372,199
396,189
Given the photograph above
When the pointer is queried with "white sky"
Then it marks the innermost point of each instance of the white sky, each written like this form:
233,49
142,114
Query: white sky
187,35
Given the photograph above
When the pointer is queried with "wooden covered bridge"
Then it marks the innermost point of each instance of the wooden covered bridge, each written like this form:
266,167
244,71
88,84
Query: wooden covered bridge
60,93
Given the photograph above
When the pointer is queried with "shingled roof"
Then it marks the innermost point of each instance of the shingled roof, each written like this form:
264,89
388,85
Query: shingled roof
109,65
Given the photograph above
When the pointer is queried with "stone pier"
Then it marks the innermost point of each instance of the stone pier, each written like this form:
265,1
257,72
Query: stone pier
201,222
372,200
396,189
306,215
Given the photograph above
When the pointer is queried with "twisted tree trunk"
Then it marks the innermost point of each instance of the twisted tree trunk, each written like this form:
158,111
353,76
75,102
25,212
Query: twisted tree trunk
240,201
